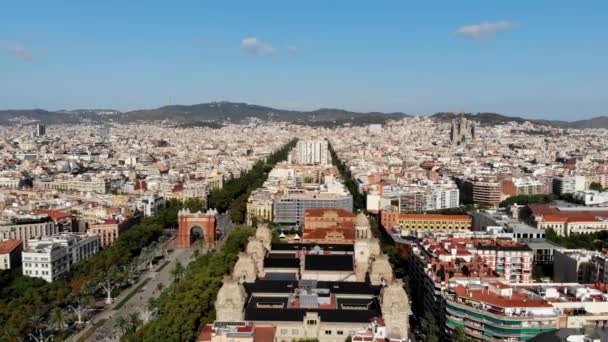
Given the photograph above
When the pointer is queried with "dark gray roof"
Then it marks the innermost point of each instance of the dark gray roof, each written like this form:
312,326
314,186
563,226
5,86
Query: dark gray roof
329,262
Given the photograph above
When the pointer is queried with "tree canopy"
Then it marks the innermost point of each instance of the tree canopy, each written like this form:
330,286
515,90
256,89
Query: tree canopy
234,194
528,199
23,297
189,304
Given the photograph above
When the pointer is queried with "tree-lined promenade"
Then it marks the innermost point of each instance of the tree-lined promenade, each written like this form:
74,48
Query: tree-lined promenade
188,303
29,305
233,196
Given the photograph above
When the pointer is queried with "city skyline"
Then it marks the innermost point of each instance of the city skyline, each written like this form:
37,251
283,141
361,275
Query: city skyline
541,60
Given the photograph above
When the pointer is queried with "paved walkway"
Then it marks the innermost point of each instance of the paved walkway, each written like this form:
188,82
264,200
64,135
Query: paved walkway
138,302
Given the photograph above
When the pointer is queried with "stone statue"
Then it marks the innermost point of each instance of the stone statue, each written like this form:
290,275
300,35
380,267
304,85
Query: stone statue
245,269
395,309
230,301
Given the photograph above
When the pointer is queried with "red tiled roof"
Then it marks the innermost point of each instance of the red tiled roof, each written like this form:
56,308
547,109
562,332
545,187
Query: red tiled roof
321,233
570,218
55,215
8,246
516,300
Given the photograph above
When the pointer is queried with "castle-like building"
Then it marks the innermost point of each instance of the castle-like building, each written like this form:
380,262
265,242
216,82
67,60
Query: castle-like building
316,291
462,131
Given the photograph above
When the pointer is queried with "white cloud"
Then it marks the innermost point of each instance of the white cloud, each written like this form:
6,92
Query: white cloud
17,49
485,29
292,49
256,46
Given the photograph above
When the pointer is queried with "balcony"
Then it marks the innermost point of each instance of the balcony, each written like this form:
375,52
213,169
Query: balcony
496,314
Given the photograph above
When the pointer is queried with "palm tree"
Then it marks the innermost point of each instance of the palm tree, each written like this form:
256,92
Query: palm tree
121,324
178,271
152,303
134,320
57,319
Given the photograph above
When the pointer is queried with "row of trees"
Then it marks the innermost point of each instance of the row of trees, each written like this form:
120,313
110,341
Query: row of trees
359,201
28,304
593,241
528,199
233,196
189,303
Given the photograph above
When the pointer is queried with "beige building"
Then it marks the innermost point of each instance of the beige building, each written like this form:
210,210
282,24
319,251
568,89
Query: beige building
10,254
315,291
26,229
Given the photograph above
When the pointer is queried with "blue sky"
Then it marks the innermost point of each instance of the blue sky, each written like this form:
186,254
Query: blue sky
541,59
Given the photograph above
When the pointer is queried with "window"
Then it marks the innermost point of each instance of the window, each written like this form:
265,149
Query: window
327,332
295,331
283,331
311,322
340,332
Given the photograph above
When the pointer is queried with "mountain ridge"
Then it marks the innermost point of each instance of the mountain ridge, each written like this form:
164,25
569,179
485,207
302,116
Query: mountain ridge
238,111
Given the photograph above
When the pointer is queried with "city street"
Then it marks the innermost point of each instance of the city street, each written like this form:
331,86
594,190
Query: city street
137,303
107,332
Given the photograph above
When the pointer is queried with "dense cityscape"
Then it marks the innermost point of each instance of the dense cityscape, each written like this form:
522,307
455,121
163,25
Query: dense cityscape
303,171
416,229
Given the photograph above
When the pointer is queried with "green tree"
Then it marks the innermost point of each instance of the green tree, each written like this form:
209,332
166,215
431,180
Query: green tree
57,319
596,186
178,271
429,327
528,199
122,324
184,307
460,336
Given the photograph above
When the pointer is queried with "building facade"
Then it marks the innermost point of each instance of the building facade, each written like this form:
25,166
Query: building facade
50,257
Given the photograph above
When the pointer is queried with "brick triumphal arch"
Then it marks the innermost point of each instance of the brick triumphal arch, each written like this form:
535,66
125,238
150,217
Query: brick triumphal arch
192,225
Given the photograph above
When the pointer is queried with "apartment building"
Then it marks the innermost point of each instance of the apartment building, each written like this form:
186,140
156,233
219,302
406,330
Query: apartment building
149,204
514,261
312,152
50,257
568,184
260,207
28,227
497,312
574,266
109,230
10,254
524,186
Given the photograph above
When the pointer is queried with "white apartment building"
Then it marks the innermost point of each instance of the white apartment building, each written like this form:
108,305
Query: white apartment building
313,152
28,228
592,197
568,184
150,203
50,257
436,198
9,183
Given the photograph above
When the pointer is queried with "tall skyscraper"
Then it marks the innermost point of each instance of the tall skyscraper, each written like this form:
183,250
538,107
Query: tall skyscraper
40,130
313,152
462,131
